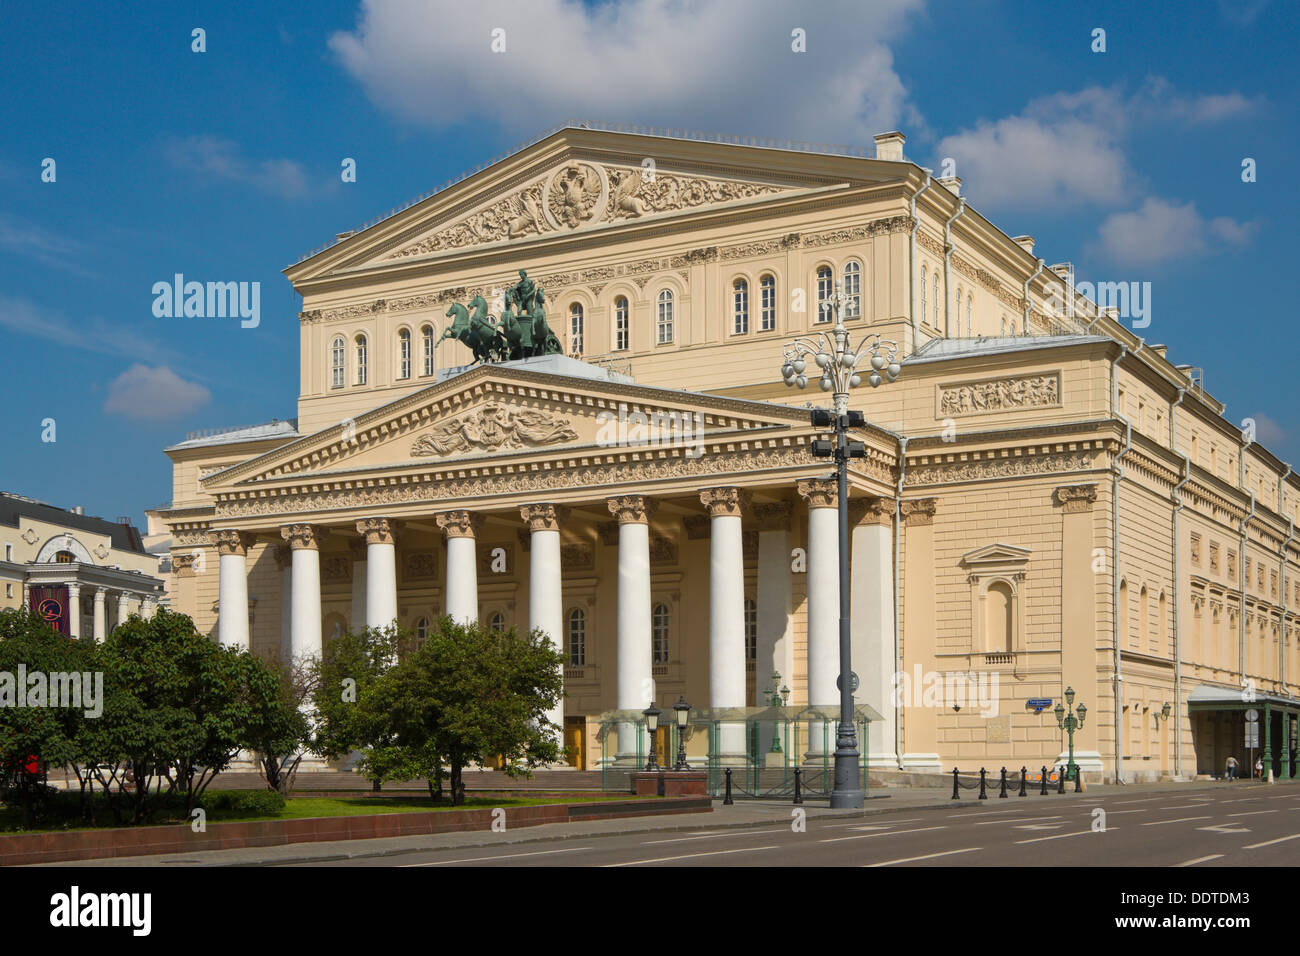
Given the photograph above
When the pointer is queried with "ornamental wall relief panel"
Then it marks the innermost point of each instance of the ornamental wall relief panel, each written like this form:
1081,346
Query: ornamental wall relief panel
998,395
494,426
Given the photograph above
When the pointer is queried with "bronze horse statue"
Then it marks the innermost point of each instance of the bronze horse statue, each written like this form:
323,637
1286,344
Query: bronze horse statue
476,332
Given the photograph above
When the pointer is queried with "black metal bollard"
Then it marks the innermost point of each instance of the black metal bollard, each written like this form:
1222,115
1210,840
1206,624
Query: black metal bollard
983,792
798,776
726,800
1078,782
1043,778
1002,789
1024,776
1060,780
954,784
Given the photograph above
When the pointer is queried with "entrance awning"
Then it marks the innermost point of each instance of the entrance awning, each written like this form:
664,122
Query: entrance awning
1214,697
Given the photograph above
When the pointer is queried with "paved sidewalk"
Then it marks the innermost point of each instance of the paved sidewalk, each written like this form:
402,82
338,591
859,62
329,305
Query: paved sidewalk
745,813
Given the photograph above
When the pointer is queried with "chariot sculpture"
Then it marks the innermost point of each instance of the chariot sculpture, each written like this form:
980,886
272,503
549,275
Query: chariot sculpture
519,332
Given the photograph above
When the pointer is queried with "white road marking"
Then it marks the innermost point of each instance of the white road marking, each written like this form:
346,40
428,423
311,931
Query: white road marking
1039,826
1156,823
845,826
864,836
488,859
688,856
706,836
988,823
1148,800
1115,813
1200,859
928,856
1251,813
1225,828
1253,846
1062,836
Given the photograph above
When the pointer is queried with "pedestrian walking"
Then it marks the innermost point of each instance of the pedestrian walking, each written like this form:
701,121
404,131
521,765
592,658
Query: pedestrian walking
1259,768
1232,768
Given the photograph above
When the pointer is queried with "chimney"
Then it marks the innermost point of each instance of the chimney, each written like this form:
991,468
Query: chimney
890,146
1062,270
1025,242
952,184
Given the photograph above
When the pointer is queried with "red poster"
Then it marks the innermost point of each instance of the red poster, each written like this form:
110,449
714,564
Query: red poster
51,605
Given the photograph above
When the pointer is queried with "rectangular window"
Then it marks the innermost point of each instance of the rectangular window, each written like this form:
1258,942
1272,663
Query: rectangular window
767,317
620,325
740,303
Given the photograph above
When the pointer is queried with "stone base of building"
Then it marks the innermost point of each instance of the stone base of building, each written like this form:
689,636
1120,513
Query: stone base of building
922,763
670,783
1088,761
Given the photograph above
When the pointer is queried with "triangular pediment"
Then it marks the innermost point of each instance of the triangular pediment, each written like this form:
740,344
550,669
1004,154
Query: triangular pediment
994,556
578,181
504,414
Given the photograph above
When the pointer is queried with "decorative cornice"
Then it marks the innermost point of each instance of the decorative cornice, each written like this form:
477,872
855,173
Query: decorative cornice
725,501
302,537
631,509
997,464
919,511
819,492
1076,499
543,517
459,523
377,530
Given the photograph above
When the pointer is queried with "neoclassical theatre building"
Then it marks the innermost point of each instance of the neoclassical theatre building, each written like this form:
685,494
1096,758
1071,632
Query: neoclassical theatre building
1047,499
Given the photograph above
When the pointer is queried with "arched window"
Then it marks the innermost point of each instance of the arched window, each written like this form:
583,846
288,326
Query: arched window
853,289
740,307
575,329
404,353
426,340
422,630
497,623
824,290
336,362
621,324
665,324
936,300
361,359
577,637
999,605
751,629
659,622
64,557
767,303
924,310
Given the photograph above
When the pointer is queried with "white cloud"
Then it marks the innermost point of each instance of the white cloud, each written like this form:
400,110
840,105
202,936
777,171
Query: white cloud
1268,432
725,66
1068,148
222,159
1161,230
154,394
22,317
45,247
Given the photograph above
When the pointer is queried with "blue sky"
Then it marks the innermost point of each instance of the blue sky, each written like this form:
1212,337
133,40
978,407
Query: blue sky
224,165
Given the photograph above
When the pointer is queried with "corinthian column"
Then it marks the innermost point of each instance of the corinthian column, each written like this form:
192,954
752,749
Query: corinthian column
823,608
727,615
100,615
304,627
545,584
381,571
232,570
462,564
872,617
636,687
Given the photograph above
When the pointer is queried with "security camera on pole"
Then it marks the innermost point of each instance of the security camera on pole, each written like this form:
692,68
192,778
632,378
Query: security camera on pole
833,352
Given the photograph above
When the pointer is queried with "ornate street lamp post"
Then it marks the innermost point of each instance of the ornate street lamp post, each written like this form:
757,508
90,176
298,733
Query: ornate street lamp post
652,726
682,710
834,353
1069,723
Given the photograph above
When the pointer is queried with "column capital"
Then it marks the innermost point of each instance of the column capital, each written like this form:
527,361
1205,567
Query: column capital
919,510
820,492
871,511
100,595
302,537
230,541
183,563
773,515
283,556
544,517
1076,498
631,509
73,589
725,501
377,530
459,524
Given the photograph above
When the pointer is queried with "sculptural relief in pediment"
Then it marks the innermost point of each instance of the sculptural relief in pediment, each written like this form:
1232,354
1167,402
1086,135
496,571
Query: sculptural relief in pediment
494,427
580,193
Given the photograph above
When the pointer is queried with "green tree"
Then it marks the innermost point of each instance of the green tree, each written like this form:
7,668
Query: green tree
30,653
281,731
341,681
469,694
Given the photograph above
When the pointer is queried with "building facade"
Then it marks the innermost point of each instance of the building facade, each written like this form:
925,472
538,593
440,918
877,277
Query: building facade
1046,501
82,574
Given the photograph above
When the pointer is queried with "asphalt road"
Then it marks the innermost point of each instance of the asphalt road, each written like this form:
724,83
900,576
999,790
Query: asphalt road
1238,825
